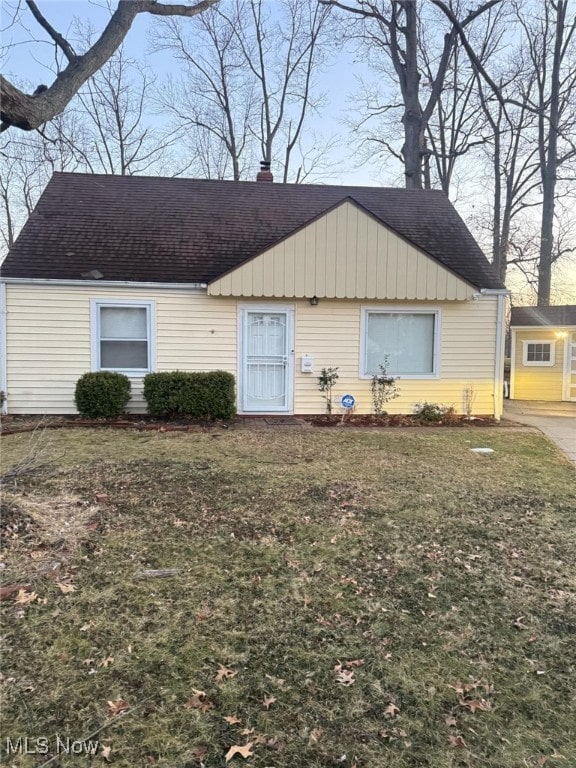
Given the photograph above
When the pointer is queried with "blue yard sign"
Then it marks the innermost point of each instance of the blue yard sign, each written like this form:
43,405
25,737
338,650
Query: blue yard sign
347,401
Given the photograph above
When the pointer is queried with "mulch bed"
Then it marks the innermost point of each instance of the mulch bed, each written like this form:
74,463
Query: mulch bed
15,424
399,420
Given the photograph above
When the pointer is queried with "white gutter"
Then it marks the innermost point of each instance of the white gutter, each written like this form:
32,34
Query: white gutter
102,283
3,356
499,362
495,291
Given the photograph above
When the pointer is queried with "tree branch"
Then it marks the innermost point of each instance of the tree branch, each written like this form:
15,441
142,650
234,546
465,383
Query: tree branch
60,41
27,112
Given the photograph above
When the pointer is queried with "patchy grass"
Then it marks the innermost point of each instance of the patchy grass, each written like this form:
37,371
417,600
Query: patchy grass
351,598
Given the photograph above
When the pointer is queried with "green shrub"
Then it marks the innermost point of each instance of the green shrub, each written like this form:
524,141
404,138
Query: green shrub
179,394
432,413
102,395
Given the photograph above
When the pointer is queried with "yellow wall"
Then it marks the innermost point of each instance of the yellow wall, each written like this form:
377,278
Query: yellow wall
537,382
48,340
345,254
48,346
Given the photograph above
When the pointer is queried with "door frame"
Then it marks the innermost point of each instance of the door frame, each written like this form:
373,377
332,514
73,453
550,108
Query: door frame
567,372
289,310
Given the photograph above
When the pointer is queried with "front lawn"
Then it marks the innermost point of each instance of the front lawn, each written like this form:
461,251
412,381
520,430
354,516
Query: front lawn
340,598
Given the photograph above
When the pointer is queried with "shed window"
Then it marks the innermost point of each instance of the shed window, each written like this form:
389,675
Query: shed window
407,342
122,336
538,353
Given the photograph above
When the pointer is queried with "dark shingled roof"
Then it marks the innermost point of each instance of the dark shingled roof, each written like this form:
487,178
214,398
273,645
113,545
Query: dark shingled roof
552,316
153,229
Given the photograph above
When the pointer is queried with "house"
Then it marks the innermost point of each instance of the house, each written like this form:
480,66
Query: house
543,353
271,282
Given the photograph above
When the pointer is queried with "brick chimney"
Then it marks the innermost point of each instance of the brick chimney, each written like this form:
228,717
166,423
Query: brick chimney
264,174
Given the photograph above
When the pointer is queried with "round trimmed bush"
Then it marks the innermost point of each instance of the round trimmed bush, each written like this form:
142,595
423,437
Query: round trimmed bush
102,395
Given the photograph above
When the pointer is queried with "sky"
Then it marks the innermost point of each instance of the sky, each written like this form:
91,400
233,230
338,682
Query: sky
30,60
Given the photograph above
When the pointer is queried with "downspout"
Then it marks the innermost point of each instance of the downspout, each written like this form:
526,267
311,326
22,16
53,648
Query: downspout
499,362
3,356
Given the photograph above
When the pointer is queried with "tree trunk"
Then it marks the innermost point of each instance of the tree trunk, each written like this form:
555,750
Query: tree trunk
550,165
412,117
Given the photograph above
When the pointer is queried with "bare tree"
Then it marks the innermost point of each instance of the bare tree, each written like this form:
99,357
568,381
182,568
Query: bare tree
118,136
392,26
250,87
29,111
550,55
28,160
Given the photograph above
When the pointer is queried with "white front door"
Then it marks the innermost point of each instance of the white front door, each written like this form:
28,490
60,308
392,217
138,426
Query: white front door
570,368
266,385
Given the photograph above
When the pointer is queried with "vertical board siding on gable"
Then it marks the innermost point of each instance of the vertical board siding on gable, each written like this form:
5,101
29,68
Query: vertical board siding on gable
48,335
345,254
538,382
330,332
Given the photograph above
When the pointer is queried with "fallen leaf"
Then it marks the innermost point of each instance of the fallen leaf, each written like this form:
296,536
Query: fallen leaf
391,710
456,741
85,627
24,597
199,753
117,707
473,705
106,753
315,735
237,750
8,591
225,672
345,677
247,732
106,662
65,588
232,720
268,701
450,721
199,701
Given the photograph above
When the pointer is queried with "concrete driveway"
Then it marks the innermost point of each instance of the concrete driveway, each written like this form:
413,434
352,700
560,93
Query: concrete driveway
556,420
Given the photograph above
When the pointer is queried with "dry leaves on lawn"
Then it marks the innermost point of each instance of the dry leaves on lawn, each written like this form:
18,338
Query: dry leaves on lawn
65,588
232,720
117,707
268,701
199,700
24,597
225,673
244,751
473,705
391,710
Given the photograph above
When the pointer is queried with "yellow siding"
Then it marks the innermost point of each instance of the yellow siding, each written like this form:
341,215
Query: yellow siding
345,254
537,382
330,332
49,346
48,340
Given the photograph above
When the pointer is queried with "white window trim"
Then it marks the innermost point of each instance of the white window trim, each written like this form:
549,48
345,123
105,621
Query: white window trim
405,310
546,363
150,306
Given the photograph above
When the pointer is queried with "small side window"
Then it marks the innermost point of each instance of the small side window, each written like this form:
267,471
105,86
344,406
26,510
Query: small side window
122,336
538,353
